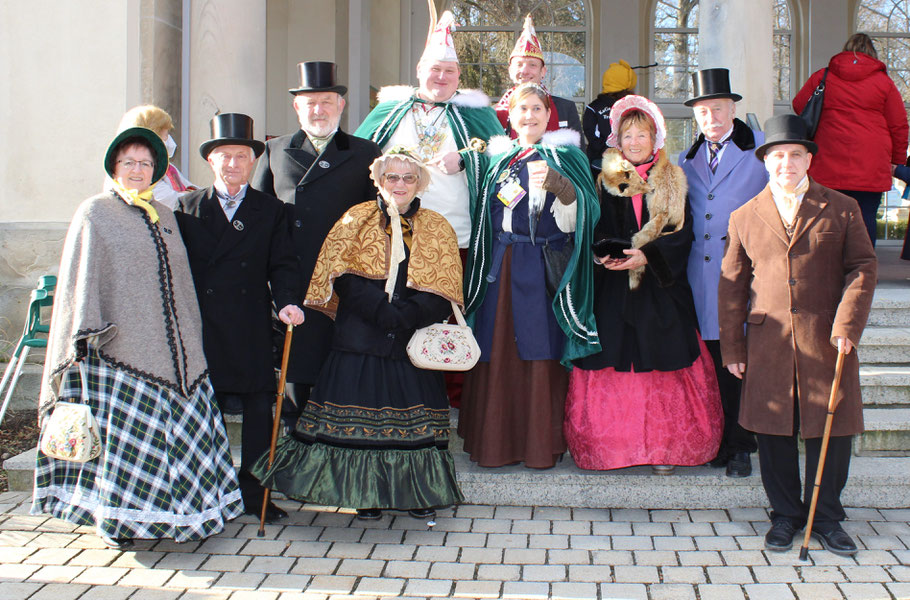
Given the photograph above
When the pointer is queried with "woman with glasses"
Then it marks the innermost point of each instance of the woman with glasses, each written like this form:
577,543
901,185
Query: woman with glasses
126,327
374,433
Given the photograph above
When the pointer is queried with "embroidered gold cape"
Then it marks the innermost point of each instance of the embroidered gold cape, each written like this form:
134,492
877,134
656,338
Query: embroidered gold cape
358,244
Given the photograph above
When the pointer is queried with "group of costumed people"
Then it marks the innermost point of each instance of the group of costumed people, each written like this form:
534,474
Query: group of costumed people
576,290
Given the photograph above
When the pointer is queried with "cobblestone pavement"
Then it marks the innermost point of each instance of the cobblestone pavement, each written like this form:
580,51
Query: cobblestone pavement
471,552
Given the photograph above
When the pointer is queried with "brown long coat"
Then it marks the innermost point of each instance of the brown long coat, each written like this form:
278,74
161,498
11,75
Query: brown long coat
794,296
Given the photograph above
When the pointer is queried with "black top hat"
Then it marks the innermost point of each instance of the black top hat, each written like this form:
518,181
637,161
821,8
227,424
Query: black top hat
159,151
785,129
711,83
231,128
317,76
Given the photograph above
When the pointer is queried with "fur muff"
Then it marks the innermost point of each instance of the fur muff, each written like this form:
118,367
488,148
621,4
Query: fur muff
665,196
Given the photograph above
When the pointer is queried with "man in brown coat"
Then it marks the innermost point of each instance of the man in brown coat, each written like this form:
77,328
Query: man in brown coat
796,283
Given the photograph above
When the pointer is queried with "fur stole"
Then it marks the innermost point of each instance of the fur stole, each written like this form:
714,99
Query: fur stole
664,193
462,98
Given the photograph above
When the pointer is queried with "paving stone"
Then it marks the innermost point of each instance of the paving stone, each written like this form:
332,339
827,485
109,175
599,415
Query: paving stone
469,511
108,592
499,572
58,591
649,529
172,546
700,558
393,551
254,595
631,542
331,584
768,591
863,591
734,528
670,516
569,557
507,540
226,564
383,536
562,590
308,549
816,591
549,541
865,574
451,524
746,558
240,581
708,516
466,539
430,588
95,558
524,556
657,558
590,542
821,557
881,542
863,514
54,573
821,574
416,569
181,561
553,513
16,538
272,564
19,590
543,573
671,591
890,528
569,528
437,554
612,557
623,591
682,575
452,570
482,555
776,574
52,556
380,586
315,566
101,575
730,575
611,528
856,528
347,550
361,567
748,514
148,594
716,542
636,574
278,582
513,512
693,529
901,591
534,526
147,577
426,538
192,579
674,543
526,590
592,573
882,557
477,589
750,542
491,526
900,572
720,591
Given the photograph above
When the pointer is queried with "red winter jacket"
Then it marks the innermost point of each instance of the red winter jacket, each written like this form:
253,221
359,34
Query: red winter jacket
863,127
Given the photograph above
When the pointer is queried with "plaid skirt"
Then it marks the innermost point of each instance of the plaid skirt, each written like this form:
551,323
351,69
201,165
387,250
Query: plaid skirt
165,470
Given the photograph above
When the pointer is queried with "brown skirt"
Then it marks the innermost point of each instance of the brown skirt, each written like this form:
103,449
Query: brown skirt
511,409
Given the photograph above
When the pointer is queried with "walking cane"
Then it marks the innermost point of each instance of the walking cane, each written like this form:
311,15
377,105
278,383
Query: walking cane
829,419
282,377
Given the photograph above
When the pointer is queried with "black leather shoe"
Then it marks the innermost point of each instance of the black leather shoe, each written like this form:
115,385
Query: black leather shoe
369,514
780,537
272,512
739,465
719,461
836,541
422,513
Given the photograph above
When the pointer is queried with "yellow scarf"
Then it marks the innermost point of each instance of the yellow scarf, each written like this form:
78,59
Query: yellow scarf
137,198
789,199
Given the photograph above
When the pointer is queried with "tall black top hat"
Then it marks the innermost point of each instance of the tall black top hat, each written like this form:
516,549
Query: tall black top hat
711,83
231,128
785,129
317,76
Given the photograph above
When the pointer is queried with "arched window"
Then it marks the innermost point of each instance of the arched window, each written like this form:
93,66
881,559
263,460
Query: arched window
487,31
888,24
675,49
781,44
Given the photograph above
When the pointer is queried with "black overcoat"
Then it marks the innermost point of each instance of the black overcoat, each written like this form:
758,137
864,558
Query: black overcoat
654,326
238,269
317,189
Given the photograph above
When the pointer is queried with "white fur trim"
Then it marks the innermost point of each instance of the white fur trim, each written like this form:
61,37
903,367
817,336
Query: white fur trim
565,215
395,93
470,99
562,137
499,144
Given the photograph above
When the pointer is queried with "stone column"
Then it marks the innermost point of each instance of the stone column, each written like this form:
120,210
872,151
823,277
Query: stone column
227,70
737,34
352,55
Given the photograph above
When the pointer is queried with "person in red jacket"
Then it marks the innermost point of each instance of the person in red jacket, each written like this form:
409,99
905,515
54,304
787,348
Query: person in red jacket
863,127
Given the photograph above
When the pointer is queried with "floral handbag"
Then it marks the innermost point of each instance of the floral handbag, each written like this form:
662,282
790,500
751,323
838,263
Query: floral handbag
71,432
444,347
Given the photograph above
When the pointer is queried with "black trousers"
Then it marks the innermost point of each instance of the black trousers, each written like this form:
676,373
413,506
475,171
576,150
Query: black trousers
868,206
736,439
255,435
778,456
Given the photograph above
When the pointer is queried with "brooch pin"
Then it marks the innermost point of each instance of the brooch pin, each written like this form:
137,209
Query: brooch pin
238,225
324,164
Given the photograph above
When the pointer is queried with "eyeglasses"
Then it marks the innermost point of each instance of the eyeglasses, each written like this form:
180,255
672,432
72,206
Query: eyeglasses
394,178
129,165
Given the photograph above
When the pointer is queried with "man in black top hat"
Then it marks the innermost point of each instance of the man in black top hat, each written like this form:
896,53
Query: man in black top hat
319,171
723,174
796,285
240,253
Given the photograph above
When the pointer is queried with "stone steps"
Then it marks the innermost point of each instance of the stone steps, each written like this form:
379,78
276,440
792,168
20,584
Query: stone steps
890,308
885,345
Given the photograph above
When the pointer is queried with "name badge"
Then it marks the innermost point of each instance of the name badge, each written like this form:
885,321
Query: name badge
511,193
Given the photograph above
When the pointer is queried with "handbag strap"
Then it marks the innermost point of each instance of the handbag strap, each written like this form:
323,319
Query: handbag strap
459,317
83,375
820,89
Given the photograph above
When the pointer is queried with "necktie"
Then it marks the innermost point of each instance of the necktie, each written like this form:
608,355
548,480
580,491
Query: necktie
229,204
713,152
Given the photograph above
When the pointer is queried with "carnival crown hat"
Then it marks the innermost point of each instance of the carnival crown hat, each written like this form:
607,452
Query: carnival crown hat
785,129
527,46
377,168
633,102
440,45
317,76
709,84
234,129
618,76
159,151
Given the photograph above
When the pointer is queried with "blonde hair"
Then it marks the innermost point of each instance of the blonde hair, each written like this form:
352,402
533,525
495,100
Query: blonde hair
860,42
529,89
148,116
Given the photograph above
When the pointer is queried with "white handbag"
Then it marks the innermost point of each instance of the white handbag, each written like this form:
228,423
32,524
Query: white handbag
71,432
444,347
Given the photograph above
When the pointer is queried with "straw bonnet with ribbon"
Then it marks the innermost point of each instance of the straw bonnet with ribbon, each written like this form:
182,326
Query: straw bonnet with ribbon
140,198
